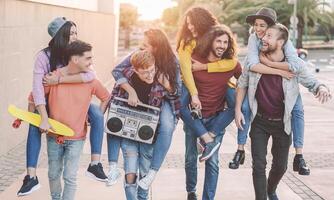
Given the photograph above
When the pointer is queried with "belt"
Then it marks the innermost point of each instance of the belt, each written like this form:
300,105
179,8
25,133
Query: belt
268,118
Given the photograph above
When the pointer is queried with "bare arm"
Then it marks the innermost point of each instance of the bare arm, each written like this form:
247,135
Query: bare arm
239,117
84,77
263,69
133,98
104,105
278,65
54,79
44,126
31,107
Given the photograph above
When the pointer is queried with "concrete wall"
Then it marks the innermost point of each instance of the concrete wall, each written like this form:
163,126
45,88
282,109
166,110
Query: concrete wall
23,32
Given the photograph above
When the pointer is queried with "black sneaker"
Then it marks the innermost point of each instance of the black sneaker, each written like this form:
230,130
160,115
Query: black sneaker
29,185
210,149
96,172
192,196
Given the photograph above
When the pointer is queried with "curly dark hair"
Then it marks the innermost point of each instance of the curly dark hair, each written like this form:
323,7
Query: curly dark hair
204,45
201,18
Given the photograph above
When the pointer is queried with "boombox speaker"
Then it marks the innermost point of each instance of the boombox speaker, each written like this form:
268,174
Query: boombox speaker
131,122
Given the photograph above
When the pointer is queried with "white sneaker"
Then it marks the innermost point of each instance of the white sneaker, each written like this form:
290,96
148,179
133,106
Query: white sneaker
147,181
113,174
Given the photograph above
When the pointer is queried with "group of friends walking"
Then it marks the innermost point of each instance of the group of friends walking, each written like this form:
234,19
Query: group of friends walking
203,84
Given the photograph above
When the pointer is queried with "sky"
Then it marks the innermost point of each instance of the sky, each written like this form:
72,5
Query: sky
150,9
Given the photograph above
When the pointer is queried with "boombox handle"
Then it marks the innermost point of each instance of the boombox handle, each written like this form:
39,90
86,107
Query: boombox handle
139,104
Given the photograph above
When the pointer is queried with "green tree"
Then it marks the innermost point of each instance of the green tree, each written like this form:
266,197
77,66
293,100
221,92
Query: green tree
235,12
128,18
309,13
170,16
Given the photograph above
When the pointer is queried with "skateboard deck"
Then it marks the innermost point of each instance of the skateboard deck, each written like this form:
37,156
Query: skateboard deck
35,119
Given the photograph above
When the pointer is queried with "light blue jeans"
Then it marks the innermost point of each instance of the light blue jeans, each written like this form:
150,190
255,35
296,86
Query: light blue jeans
297,123
211,165
63,159
137,159
96,119
161,146
245,109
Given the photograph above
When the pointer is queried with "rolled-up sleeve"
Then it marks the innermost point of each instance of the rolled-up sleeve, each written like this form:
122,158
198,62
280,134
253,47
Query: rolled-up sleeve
41,67
117,72
295,63
308,80
252,51
244,78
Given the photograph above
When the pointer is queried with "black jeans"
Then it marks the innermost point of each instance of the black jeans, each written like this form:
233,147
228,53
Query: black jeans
261,130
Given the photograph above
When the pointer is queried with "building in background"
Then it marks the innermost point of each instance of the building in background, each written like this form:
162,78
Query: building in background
23,32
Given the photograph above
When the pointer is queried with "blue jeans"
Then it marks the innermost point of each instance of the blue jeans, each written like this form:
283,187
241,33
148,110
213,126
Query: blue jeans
161,146
245,109
223,119
211,165
137,156
96,136
114,145
297,123
165,133
96,119
63,158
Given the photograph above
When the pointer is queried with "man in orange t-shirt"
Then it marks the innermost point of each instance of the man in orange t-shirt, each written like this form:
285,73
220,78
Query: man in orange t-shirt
69,103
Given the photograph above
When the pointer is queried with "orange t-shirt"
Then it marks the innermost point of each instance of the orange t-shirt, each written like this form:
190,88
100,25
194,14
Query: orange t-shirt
69,103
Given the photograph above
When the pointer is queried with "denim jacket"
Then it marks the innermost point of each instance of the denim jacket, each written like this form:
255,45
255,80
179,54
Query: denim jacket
253,48
174,99
250,80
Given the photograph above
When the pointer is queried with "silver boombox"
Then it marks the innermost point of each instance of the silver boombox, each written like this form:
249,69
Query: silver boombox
131,122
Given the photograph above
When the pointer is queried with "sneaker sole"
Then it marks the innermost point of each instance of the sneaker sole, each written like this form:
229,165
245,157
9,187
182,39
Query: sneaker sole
143,187
211,153
304,174
92,176
33,189
110,183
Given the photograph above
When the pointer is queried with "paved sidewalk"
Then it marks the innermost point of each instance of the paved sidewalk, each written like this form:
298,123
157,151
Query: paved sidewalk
233,184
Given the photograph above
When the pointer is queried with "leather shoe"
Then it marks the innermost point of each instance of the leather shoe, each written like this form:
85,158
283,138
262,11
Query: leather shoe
238,159
299,165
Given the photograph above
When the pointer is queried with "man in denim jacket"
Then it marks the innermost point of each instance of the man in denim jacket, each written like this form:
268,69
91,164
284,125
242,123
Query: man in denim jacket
271,100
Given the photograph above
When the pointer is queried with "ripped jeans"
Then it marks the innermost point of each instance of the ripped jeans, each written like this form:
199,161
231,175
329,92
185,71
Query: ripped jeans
137,160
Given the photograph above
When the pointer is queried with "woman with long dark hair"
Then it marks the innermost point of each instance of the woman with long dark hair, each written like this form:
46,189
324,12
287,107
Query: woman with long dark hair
168,75
47,60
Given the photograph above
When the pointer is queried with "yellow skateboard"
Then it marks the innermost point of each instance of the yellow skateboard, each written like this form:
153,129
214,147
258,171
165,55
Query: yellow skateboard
35,119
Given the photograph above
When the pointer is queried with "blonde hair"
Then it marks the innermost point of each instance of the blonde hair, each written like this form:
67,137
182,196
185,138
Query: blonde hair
142,59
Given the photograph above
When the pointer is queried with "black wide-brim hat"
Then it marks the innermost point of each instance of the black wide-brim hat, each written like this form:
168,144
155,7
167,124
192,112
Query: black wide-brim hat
267,14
